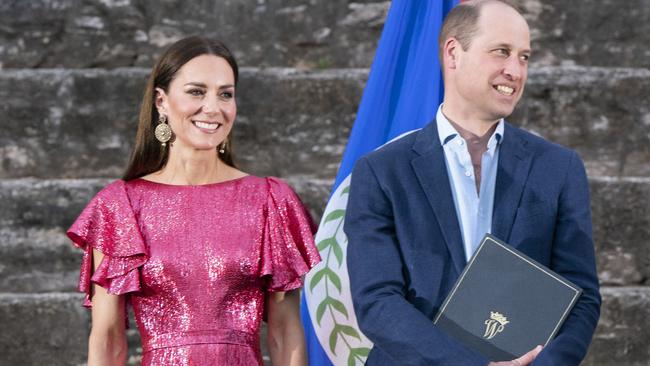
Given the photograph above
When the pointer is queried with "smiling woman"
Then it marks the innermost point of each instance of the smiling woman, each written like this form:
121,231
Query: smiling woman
200,249
194,81
200,103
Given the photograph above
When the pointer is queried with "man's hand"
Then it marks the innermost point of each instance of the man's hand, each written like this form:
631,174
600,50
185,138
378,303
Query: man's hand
524,360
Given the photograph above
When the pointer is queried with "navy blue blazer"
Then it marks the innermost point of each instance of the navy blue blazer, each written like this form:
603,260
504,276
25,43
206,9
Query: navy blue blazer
405,247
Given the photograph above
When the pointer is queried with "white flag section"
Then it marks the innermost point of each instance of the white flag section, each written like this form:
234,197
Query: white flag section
329,301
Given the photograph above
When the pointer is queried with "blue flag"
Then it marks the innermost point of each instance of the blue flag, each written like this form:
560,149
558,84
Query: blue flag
403,92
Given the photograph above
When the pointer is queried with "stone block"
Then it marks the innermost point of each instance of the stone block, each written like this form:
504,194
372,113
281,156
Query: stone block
601,33
108,34
621,220
43,329
603,113
623,329
35,254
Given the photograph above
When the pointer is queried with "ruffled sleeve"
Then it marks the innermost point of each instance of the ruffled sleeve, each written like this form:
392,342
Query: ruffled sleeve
288,249
108,224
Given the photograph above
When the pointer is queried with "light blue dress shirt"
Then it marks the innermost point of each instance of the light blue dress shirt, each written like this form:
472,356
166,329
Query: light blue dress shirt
474,210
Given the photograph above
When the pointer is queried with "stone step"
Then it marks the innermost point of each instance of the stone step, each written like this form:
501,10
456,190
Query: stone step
623,329
81,124
43,329
71,124
620,339
60,336
312,34
35,255
603,113
599,33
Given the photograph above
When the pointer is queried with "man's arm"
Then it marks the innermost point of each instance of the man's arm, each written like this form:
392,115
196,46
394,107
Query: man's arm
378,287
573,257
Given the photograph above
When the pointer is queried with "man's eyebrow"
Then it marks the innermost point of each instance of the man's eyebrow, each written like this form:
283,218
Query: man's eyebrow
510,47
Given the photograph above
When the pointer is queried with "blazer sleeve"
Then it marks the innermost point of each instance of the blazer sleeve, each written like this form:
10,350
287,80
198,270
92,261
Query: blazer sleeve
573,257
378,287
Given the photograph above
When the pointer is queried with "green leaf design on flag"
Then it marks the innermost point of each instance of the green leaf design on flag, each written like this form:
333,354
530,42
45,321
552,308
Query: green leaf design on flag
336,214
333,338
336,304
349,331
325,243
327,278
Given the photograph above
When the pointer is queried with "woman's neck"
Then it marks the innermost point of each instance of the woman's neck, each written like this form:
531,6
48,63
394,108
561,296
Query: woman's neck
192,167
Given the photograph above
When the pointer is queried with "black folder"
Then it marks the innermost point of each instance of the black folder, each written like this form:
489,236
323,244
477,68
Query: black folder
504,303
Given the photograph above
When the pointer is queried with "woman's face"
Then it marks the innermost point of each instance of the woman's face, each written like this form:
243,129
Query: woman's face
200,103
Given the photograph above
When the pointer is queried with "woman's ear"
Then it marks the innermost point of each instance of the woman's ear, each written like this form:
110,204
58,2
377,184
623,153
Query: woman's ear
161,101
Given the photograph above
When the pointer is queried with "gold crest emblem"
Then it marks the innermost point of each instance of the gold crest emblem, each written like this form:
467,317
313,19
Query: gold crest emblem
495,324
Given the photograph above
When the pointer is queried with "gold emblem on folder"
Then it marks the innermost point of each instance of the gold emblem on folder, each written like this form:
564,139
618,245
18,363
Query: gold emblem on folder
495,324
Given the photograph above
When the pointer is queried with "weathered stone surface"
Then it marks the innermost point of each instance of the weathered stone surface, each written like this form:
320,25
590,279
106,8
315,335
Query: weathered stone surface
35,254
90,124
603,113
621,219
37,260
39,329
298,33
603,33
623,330
71,124
61,121
117,33
296,123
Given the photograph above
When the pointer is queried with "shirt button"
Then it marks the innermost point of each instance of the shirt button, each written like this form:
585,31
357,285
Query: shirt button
460,142
468,173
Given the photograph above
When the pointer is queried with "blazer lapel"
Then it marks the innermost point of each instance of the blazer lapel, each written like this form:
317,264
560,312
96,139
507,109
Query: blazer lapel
512,173
431,171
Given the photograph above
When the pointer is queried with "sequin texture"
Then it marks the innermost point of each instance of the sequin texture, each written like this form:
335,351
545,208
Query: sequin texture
195,262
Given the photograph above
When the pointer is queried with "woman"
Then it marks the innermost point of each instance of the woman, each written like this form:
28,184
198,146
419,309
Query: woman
201,250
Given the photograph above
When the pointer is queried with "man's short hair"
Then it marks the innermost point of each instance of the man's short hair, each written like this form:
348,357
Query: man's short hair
462,22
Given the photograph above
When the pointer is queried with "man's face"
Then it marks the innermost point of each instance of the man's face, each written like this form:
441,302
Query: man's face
491,74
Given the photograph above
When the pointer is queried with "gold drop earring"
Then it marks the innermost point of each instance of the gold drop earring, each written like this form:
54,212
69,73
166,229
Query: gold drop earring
163,132
222,147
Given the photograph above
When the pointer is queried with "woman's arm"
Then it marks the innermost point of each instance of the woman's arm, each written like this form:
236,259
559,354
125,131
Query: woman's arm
107,341
286,339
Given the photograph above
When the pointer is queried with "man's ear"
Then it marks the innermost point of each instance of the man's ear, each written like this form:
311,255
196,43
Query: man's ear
160,101
450,52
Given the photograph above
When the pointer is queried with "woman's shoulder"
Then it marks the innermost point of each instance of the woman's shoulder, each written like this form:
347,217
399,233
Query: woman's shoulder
115,189
276,184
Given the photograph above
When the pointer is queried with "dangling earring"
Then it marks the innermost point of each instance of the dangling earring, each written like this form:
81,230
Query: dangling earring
222,148
163,132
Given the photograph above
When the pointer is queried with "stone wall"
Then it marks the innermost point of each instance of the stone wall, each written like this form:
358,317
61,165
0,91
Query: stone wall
71,81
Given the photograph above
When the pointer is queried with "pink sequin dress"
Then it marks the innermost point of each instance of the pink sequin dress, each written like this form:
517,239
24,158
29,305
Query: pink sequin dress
195,262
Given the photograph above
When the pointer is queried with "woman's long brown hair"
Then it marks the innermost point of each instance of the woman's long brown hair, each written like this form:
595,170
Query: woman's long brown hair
148,154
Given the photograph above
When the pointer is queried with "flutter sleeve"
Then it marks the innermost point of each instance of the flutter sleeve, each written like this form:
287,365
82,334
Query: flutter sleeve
288,249
108,224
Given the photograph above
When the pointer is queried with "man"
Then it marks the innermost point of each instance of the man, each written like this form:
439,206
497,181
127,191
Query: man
419,206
